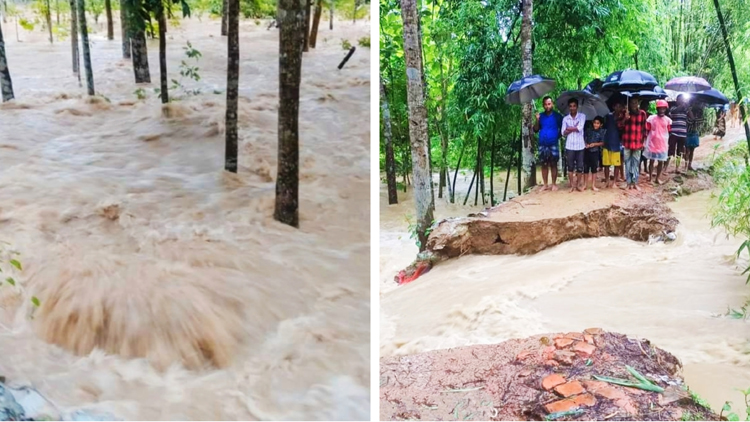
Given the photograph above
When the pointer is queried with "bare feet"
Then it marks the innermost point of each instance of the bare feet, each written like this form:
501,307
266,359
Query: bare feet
658,181
580,189
544,188
554,188
623,187
636,187
595,189
572,188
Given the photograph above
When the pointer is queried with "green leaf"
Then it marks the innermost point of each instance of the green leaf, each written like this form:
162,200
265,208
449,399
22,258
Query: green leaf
727,407
16,264
35,301
11,281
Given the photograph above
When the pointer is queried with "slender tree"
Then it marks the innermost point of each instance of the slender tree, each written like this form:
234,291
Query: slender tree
6,85
354,14
733,69
308,15
124,29
233,83
528,112
224,12
330,22
162,18
423,194
292,29
390,162
48,17
137,16
316,23
76,55
86,48
110,23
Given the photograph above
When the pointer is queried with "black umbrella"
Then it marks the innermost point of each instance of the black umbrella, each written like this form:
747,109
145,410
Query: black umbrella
629,80
588,103
529,88
594,86
712,96
688,84
649,95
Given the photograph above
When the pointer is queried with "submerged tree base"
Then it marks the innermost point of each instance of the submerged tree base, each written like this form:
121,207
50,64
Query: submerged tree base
544,377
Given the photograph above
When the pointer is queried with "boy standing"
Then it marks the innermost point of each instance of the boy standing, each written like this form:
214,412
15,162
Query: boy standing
632,141
572,130
658,127
611,152
678,134
594,142
548,126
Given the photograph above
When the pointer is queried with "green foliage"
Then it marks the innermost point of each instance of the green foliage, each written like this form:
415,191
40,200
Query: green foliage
96,8
733,416
140,93
25,24
414,231
364,41
345,44
188,71
257,9
9,264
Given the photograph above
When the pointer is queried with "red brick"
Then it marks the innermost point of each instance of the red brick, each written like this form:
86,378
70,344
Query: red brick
565,357
589,339
574,336
552,363
560,406
584,400
551,381
562,343
594,331
620,397
569,389
523,355
583,348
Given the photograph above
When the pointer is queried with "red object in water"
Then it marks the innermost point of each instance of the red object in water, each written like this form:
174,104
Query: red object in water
422,268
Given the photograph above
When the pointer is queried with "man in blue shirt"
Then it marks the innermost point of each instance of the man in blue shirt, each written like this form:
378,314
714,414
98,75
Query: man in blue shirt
548,125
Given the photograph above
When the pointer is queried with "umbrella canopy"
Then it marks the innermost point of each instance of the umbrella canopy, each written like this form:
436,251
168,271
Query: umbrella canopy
688,84
588,103
529,88
629,80
711,97
650,95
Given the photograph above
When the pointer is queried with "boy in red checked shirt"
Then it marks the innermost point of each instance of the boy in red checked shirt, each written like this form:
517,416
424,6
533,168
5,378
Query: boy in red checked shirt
632,141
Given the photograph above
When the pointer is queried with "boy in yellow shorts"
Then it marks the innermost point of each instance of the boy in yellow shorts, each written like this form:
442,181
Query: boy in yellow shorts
611,155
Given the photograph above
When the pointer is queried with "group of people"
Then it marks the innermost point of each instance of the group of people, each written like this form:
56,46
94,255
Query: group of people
625,138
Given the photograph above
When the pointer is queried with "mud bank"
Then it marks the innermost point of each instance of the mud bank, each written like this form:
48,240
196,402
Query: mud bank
552,377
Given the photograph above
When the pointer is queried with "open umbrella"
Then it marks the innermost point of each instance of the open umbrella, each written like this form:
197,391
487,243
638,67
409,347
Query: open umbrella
588,103
688,84
629,80
529,88
649,95
711,97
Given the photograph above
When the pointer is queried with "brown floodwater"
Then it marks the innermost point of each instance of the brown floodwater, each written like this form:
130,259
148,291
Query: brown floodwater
167,289
676,295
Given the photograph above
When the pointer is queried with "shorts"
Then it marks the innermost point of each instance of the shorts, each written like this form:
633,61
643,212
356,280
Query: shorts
693,140
611,158
549,155
590,161
656,156
575,160
676,145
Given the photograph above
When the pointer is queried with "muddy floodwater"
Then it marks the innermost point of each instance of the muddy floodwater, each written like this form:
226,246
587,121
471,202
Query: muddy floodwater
674,295
167,290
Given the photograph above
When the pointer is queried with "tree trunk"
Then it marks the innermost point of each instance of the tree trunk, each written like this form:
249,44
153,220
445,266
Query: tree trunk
163,53
478,171
507,180
423,194
124,29
528,113
390,162
316,23
520,162
444,134
110,23
492,172
330,23
86,49
233,84
224,13
6,85
290,68
74,38
140,57
455,175
468,192
49,20
308,15
57,10
354,15
733,68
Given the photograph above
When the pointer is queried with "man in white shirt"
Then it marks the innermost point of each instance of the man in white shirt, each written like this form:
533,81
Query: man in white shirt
572,131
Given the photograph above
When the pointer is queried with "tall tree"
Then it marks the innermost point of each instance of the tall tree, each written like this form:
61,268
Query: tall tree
528,111
224,12
137,30
48,16
292,27
423,194
86,48
733,69
6,85
308,15
162,18
316,23
390,162
124,29
233,83
110,23
76,55
330,21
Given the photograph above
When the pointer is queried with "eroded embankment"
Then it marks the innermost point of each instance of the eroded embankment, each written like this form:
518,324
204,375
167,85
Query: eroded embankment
552,377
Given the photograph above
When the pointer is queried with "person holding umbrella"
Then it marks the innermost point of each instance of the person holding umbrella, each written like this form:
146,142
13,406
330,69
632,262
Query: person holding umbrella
632,141
720,128
572,131
678,133
548,126
657,143
611,156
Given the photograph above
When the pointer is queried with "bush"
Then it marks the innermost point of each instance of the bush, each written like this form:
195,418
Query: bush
345,44
257,9
365,41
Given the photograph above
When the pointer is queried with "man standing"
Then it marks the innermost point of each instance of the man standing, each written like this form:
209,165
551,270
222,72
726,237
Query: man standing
678,135
548,126
615,121
632,142
572,130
